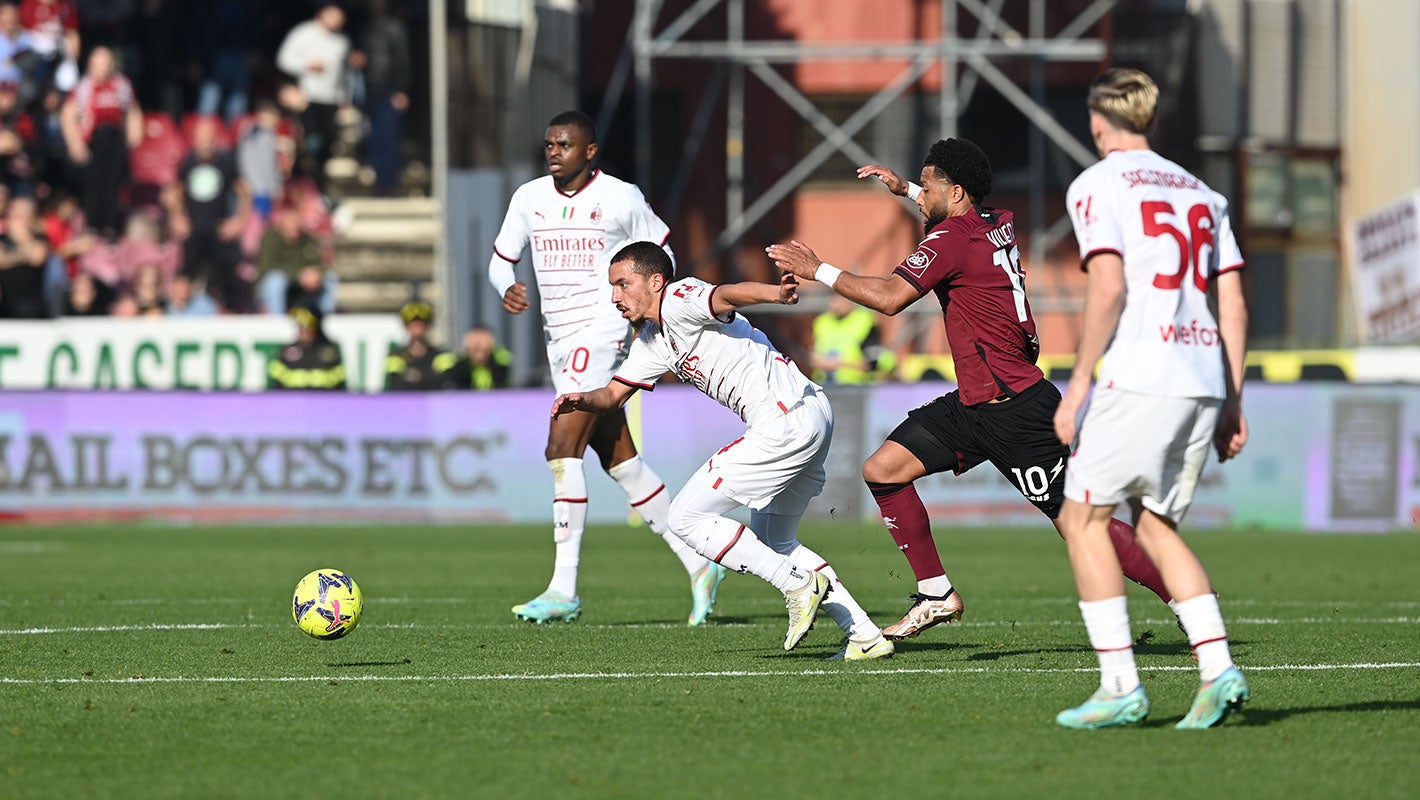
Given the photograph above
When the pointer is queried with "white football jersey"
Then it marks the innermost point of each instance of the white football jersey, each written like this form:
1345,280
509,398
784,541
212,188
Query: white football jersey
725,357
1174,235
573,238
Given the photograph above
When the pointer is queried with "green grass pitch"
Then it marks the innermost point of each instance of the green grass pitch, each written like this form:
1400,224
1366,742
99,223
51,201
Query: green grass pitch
142,662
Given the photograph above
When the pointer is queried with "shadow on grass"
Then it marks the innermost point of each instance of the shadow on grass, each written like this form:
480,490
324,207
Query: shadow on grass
1266,716
399,663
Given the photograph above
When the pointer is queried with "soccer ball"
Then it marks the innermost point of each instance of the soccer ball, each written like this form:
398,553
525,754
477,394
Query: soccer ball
327,604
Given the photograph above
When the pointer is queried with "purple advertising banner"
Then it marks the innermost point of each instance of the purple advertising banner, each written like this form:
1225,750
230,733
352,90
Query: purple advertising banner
1321,457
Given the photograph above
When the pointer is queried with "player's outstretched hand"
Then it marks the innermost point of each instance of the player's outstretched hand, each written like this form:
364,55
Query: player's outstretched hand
515,300
794,257
1230,437
565,403
890,179
788,289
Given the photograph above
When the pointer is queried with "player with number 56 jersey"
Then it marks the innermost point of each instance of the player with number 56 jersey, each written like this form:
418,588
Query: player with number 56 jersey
1174,235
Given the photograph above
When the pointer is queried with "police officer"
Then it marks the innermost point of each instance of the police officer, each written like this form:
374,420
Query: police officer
311,362
419,365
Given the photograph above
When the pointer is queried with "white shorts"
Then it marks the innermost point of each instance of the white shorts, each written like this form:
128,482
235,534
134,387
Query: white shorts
586,361
1150,447
777,466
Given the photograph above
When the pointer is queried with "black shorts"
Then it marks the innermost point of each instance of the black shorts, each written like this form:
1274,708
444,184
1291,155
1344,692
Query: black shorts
1017,436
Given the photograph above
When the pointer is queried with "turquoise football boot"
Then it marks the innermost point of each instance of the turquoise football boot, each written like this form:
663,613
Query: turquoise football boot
1104,710
1216,700
549,606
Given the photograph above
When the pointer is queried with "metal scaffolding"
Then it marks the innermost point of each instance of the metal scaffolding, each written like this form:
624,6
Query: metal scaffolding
962,63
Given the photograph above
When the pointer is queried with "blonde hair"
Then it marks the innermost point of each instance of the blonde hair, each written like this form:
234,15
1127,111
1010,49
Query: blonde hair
1127,99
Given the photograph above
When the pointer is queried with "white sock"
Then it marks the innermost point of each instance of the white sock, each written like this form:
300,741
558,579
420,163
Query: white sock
569,522
651,500
1107,622
736,547
1204,622
936,587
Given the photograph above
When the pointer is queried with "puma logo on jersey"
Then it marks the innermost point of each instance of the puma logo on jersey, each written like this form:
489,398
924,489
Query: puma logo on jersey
891,523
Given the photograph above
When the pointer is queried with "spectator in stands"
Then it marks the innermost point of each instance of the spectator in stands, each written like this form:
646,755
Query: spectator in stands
101,121
286,252
24,253
225,31
116,263
209,205
54,32
148,291
847,345
419,365
88,297
485,364
257,157
21,156
16,44
184,302
387,57
311,362
315,52
65,231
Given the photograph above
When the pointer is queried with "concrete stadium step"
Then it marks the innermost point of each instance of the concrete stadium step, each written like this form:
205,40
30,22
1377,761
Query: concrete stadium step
385,246
380,297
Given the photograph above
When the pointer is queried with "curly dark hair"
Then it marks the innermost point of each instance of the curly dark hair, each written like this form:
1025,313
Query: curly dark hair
962,163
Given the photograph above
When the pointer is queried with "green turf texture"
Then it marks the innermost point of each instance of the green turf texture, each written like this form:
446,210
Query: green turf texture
437,603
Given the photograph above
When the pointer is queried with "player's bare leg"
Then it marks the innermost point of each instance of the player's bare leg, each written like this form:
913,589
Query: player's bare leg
647,494
567,440
890,472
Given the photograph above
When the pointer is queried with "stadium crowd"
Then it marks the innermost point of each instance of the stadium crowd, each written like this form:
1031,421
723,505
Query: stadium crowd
165,158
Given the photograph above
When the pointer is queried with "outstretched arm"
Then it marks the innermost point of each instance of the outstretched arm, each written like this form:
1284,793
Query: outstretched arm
886,295
730,296
599,401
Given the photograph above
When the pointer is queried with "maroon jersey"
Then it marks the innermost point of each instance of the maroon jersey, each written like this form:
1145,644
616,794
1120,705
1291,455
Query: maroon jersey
973,264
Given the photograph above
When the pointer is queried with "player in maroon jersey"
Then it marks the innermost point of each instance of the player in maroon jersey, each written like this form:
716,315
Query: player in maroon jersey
1003,408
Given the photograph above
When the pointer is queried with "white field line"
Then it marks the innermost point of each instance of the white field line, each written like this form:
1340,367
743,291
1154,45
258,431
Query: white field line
215,626
767,673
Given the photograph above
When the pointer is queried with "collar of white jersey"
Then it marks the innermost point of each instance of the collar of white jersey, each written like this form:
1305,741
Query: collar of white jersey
564,195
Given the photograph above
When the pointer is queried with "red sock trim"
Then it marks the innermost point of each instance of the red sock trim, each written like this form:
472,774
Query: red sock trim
820,566
731,545
569,499
648,497
1114,649
1197,645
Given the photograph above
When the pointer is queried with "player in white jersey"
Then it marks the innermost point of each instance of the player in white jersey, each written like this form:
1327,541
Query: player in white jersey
1157,245
573,219
690,327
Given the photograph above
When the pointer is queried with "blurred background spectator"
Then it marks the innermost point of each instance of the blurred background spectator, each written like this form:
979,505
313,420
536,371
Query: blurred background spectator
485,363
101,120
847,346
24,255
316,52
183,301
209,207
385,47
